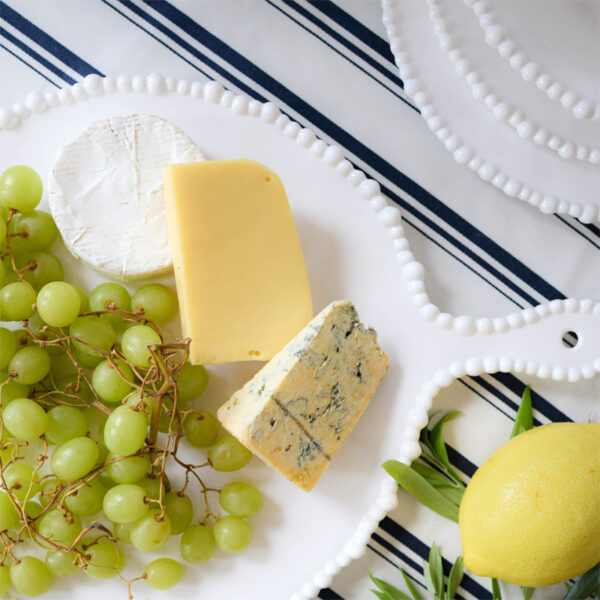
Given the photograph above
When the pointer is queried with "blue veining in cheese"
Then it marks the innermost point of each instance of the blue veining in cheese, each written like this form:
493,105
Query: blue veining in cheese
297,411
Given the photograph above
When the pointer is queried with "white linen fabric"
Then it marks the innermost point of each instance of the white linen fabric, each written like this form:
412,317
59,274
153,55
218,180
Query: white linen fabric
328,65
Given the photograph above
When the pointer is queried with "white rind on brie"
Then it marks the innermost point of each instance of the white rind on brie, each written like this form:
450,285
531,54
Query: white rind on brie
106,193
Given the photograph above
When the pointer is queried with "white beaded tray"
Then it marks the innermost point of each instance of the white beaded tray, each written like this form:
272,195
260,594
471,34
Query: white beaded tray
490,116
355,248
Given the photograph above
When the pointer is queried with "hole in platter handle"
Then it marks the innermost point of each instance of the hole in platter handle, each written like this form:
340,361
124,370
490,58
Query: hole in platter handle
556,344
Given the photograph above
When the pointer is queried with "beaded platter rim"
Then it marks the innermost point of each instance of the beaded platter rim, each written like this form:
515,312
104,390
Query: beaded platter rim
530,70
461,151
503,110
412,271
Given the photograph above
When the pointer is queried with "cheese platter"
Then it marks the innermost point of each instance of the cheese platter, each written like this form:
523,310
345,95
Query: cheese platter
354,248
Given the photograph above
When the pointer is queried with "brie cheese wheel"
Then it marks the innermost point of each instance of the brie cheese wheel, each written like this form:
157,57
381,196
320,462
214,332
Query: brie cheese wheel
106,193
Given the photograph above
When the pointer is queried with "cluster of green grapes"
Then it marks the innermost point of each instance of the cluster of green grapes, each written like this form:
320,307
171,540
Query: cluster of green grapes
93,406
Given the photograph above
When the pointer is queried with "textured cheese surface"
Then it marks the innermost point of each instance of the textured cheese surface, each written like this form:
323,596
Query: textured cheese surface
240,273
106,193
299,408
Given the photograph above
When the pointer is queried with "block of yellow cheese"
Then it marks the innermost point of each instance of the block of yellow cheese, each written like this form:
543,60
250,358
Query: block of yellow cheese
239,269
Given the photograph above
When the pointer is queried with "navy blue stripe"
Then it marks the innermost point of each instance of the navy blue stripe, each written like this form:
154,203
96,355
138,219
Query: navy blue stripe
460,461
38,57
344,56
462,262
342,40
585,237
241,86
540,404
393,550
26,63
593,228
329,594
397,552
157,39
342,137
404,536
483,397
45,41
486,385
355,27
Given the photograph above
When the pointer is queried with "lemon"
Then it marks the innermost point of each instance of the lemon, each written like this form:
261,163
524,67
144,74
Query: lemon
531,513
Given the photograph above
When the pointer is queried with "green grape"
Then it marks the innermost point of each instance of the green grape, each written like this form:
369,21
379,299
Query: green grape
30,576
197,544
148,534
4,579
105,294
163,573
200,428
9,277
74,458
25,419
48,489
232,534
125,503
2,270
33,509
36,229
61,563
3,229
135,342
8,346
180,511
46,268
65,423
7,446
106,481
58,303
227,454
123,532
22,481
87,500
105,560
9,517
144,405
73,386
16,301
31,364
89,361
84,303
152,487
191,382
241,499
11,390
128,470
125,431
155,301
107,382
164,421
59,528
92,331
20,188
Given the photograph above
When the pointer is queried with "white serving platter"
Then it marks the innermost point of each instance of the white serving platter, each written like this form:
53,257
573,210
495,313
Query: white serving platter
355,248
489,115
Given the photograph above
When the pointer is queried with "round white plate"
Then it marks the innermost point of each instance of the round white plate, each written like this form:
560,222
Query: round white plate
491,119
355,248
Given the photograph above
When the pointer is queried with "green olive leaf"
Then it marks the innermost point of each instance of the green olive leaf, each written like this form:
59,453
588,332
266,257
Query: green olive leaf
455,577
436,436
432,476
436,571
585,585
388,592
411,586
496,593
524,417
527,592
421,490
451,493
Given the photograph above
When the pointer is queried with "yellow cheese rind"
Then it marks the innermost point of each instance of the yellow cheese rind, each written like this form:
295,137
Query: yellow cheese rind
239,269
298,410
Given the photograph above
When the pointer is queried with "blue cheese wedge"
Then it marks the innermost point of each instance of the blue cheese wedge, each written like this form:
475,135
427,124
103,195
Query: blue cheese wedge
298,410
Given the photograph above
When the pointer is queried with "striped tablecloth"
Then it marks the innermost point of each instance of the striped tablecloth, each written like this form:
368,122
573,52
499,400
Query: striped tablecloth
328,66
